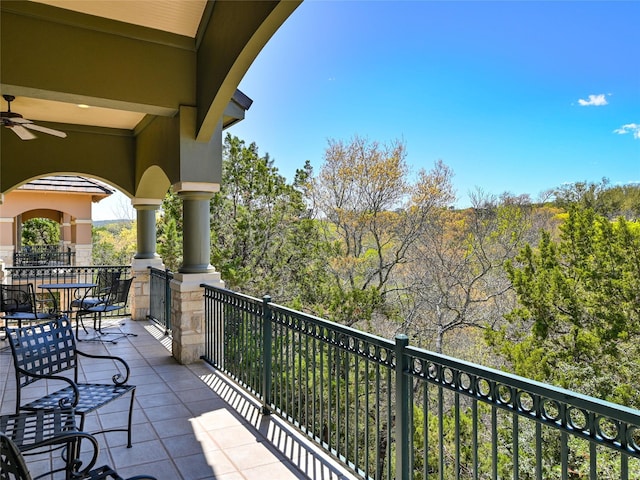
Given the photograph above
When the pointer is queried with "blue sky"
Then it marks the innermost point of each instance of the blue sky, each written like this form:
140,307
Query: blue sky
517,96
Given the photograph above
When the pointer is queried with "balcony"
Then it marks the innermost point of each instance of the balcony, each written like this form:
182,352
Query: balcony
282,394
190,422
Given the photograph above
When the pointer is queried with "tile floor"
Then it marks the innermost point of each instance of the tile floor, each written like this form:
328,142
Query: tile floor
190,423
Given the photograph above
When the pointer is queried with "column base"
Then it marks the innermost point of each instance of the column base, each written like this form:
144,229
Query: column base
187,314
141,286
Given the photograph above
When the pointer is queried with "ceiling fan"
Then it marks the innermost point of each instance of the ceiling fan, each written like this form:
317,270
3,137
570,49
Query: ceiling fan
19,125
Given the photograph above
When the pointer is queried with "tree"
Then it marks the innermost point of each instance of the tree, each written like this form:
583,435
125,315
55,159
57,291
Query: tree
263,239
114,243
577,320
170,245
610,202
40,231
372,215
456,278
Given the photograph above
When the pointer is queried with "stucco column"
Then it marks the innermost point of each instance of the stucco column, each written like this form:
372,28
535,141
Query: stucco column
187,294
81,238
145,256
196,234
7,244
17,239
146,226
65,229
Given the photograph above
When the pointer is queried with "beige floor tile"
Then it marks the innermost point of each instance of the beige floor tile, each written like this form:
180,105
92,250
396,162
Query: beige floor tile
189,422
250,456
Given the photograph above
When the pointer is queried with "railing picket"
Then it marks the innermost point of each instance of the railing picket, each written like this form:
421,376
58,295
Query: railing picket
378,421
390,473
593,461
564,455
494,443
425,428
441,461
457,435
367,417
515,449
538,451
474,440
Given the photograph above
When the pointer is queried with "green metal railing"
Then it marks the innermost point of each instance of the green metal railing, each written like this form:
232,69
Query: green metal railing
40,255
388,410
160,298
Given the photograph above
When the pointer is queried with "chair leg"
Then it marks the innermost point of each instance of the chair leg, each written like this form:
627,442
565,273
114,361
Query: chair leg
133,394
119,333
79,321
96,328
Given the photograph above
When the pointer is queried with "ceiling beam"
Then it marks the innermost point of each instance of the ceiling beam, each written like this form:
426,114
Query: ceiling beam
53,53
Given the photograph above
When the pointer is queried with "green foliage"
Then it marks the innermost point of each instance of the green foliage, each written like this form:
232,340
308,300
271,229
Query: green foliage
610,202
40,231
114,243
171,210
578,316
263,239
170,244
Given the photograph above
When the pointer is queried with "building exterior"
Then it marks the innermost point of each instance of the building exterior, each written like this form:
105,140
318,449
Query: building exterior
65,199
142,95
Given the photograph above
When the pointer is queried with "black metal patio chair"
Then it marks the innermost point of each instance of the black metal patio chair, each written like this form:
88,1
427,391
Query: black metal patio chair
105,281
35,433
114,300
18,304
45,353
14,467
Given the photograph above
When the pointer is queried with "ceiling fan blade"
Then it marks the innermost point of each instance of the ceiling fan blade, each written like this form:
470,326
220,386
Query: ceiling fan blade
22,132
19,120
50,131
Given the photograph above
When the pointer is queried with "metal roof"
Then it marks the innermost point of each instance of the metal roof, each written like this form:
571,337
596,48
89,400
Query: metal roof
68,183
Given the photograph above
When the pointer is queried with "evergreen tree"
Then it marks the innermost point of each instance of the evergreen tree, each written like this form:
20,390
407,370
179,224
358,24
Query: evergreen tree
578,317
263,239
170,245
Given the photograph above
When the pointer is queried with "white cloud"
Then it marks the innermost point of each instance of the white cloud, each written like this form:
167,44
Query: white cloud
632,128
594,101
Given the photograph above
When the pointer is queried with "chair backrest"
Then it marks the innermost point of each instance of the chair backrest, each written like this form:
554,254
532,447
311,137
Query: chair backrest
17,298
44,349
12,465
119,294
105,280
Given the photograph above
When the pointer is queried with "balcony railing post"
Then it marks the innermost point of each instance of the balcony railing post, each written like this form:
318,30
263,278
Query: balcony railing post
403,385
167,301
267,334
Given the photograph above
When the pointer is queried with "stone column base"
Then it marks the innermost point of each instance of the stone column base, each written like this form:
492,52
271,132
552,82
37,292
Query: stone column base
141,286
84,254
187,314
6,255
